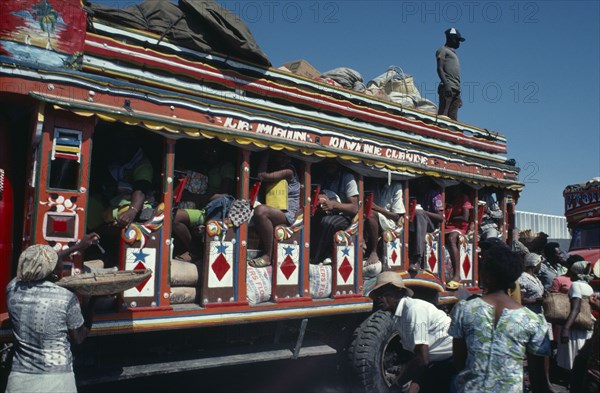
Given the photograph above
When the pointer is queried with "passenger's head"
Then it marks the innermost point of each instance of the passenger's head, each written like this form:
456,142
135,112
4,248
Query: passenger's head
572,259
532,262
580,270
280,158
36,263
388,290
212,153
490,242
554,254
500,269
127,144
456,193
331,167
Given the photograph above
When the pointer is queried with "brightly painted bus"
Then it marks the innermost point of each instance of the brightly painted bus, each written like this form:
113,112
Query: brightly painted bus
79,87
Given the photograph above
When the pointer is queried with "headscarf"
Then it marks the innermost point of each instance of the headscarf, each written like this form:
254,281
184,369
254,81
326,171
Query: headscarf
532,259
36,263
578,269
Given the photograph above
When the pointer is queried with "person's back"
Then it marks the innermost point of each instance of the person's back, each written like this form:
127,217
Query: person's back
41,314
420,322
497,334
493,333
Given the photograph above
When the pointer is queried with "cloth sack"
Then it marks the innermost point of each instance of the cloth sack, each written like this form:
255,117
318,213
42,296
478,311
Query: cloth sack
557,307
372,270
320,277
395,80
258,284
346,77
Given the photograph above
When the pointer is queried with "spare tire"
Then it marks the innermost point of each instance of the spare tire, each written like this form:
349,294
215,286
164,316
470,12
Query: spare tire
376,355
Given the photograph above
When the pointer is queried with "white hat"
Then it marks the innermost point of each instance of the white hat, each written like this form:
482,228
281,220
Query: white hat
596,269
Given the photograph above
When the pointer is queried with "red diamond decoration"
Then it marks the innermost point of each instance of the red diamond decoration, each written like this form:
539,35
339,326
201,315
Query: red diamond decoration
394,256
59,225
432,260
287,267
220,266
345,269
140,286
466,265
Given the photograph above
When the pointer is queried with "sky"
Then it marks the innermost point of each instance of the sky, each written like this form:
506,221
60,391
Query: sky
530,69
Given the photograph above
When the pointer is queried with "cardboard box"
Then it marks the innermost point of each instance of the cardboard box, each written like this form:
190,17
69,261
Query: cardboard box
302,68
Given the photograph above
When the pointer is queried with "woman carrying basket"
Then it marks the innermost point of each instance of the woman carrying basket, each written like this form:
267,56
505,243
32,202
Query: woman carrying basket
45,318
571,338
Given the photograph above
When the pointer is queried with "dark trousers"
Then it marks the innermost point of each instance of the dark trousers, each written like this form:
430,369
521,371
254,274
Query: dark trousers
449,105
439,378
419,228
321,237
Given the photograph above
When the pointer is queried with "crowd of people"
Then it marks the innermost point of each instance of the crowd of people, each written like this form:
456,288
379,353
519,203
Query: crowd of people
491,339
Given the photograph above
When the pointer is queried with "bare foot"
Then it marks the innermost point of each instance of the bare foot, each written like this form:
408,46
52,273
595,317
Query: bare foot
373,259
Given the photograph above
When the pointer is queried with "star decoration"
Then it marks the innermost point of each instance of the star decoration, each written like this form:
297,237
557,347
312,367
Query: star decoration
346,251
393,244
221,248
289,250
140,255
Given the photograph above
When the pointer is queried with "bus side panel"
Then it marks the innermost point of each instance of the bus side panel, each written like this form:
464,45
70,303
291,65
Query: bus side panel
63,179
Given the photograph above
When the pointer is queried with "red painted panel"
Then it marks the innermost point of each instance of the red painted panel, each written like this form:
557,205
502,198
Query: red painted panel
58,25
59,225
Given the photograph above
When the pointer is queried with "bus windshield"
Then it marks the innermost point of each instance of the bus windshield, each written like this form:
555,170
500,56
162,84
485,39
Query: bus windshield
586,236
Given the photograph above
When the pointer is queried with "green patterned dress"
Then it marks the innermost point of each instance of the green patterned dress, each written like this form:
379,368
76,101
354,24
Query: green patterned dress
496,352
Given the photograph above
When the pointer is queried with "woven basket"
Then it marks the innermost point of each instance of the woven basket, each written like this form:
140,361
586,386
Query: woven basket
99,284
557,307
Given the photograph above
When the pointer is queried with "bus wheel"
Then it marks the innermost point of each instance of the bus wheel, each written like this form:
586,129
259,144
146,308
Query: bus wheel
376,355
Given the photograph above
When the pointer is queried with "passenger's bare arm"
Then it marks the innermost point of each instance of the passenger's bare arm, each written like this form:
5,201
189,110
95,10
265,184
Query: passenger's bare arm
416,369
87,240
137,203
350,208
565,331
281,174
79,334
386,213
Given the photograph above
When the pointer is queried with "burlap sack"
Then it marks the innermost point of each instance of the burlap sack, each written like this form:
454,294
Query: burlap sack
557,307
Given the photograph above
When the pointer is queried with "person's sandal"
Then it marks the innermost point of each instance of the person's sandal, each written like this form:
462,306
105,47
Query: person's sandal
259,262
452,285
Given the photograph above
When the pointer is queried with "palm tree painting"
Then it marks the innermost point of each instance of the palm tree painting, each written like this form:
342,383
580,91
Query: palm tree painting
46,17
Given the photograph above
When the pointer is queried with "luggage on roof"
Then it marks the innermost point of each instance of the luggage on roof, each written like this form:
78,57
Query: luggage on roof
201,25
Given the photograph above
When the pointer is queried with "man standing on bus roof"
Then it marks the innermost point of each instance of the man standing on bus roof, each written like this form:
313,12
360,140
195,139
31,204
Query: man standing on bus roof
448,69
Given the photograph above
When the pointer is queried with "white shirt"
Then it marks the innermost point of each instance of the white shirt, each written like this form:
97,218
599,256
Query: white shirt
389,198
580,289
419,322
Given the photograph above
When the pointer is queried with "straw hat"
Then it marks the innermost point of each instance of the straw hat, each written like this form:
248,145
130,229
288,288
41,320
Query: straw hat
391,278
